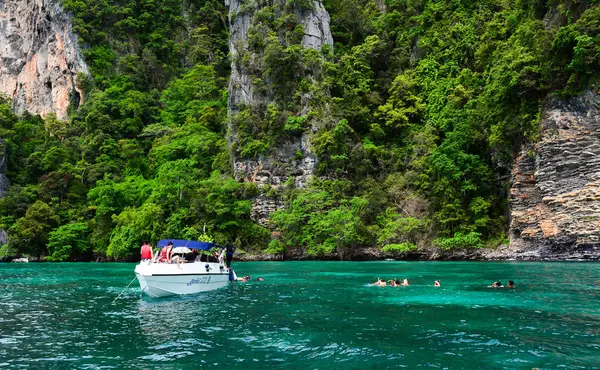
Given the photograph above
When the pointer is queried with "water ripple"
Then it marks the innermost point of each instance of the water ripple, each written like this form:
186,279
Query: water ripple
304,315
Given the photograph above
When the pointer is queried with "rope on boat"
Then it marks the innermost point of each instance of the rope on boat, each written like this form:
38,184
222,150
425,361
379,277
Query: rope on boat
124,290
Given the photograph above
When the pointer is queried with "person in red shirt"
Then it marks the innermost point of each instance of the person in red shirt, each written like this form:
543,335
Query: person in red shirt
146,251
165,253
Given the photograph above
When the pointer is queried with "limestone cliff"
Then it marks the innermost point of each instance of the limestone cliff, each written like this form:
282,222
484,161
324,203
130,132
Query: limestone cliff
292,156
39,63
39,57
555,192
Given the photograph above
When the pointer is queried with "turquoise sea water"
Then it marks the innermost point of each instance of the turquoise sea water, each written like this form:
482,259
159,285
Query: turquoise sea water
305,315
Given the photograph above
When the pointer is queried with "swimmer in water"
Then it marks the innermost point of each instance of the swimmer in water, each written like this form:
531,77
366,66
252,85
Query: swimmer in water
511,284
405,282
259,279
379,282
496,284
244,279
436,283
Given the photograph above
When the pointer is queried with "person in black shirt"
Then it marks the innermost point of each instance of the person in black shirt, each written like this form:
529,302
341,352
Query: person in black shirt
229,254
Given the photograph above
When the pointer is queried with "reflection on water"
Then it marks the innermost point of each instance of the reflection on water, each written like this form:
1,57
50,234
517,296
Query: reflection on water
305,315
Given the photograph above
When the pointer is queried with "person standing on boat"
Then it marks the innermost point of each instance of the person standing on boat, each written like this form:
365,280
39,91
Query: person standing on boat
229,254
146,252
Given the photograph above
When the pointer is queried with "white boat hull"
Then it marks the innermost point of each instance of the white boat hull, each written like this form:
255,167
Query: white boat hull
162,280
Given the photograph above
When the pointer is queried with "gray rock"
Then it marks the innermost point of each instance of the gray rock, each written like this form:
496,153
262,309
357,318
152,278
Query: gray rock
272,171
39,57
555,190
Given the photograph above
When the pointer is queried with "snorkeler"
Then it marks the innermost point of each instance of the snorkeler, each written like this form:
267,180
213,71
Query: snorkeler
379,282
244,279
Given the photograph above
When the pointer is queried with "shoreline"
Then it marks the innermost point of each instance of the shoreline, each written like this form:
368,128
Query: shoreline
506,253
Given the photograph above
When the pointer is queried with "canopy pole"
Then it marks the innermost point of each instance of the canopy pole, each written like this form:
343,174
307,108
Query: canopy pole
124,289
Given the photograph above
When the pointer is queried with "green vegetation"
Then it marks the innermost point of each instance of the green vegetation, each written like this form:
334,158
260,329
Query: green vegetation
146,155
431,99
413,118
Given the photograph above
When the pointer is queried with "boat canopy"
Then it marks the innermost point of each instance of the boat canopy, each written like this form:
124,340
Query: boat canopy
192,244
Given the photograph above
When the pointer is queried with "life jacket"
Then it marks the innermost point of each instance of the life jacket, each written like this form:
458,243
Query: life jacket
146,252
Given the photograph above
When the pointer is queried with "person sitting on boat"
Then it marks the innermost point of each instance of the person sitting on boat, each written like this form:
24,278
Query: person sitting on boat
165,253
436,283
178,260
190,257
220,257
146,252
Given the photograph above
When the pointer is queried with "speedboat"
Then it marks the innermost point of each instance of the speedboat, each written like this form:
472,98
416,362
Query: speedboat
166,278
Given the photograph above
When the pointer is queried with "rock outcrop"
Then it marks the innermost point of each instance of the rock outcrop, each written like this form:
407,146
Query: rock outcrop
241,16
39,57
292,157
555,192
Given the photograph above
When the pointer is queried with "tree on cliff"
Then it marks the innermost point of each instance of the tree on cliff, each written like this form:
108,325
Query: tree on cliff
31,232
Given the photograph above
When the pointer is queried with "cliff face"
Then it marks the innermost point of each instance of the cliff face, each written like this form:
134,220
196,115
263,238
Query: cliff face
39,62
292,156
241,17
39,57
555,192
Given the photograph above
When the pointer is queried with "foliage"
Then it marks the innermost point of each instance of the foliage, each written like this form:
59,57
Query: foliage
399,248
67,242
31,231
460,240
413,117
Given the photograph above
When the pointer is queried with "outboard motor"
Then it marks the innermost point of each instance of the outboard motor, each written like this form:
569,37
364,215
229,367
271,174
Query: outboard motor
232,275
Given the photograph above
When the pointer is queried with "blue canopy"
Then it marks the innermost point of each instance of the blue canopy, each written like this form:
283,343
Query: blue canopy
192,244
